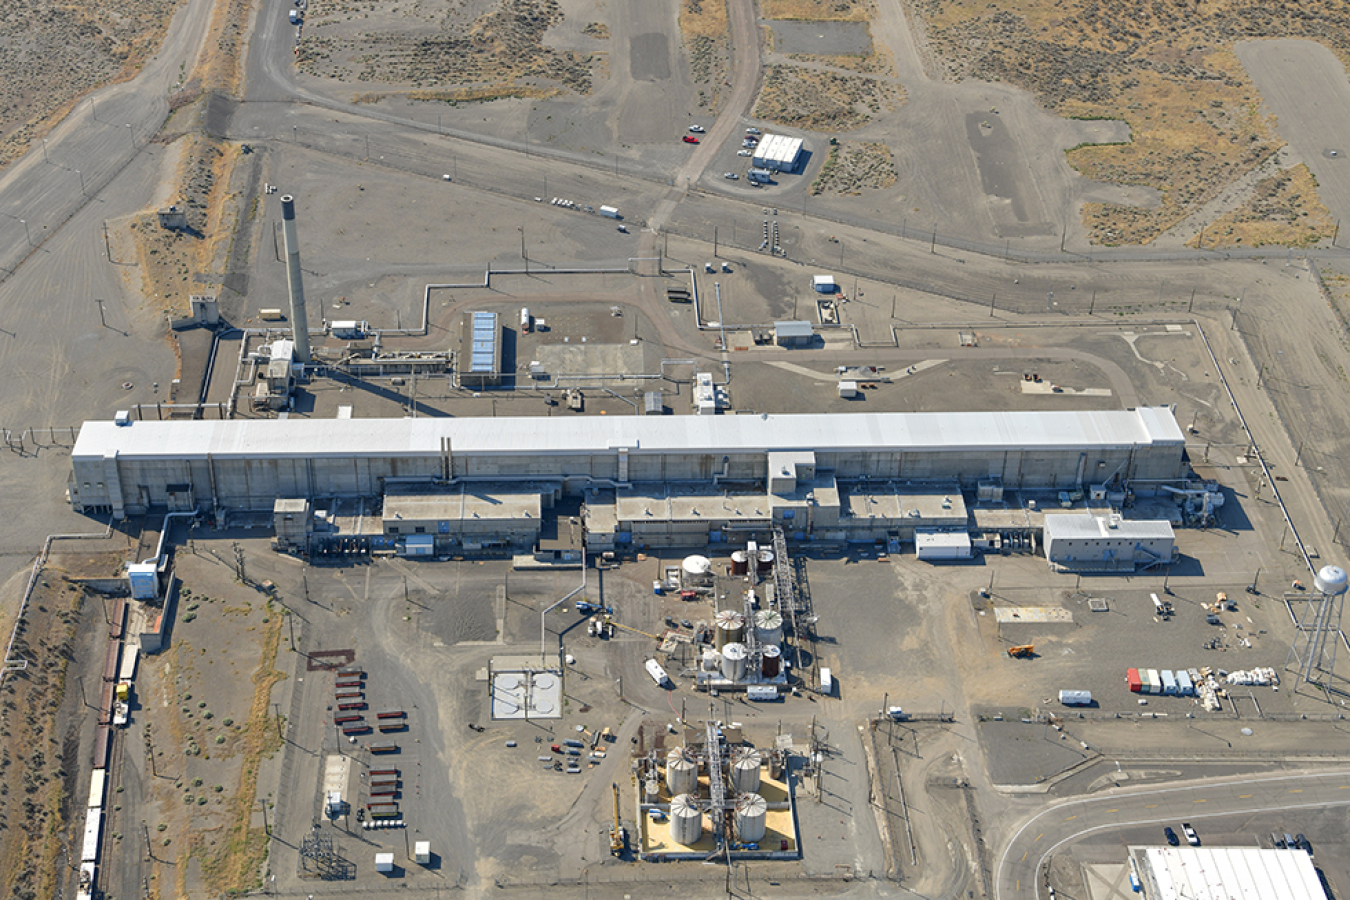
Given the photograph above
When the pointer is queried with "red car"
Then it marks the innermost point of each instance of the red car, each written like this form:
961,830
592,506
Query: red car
689,139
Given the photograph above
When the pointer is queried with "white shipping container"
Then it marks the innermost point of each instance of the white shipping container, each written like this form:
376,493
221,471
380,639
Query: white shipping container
826,681
610,212
96,785
1169,682
1154,683
1075,698
93,825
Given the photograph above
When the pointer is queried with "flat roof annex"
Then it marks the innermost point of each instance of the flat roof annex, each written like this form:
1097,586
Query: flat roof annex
376,438
1232,873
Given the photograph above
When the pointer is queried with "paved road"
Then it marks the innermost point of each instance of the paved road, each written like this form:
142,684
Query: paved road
1041,836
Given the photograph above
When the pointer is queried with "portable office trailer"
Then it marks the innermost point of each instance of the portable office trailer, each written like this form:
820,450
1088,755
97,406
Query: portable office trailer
1184,686
1169,682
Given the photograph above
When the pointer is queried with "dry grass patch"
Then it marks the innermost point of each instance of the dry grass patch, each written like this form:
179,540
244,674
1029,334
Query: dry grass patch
497,48
53,52
878,62
707,39
464,95
1283,211
817,10
853,167
1169,73
823,101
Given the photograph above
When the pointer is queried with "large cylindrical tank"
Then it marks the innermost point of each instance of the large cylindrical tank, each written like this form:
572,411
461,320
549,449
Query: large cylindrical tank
745,763
752,818
769,627
773,661
740,562
1330,580
697,569
712,660
729,628
681,772
734,658
651,790
686,820
765,561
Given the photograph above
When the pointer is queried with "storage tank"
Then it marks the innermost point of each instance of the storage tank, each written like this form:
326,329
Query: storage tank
765,560
730,628
651,790
769,627
745,763
712,660
752,818
686,820
734,657
697,570
681,772
773,661
740,562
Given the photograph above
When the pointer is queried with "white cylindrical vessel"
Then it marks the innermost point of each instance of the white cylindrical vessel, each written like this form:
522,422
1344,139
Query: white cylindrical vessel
651,790
745,763
681,772
686,820
734,658
752,818
712,660
769,627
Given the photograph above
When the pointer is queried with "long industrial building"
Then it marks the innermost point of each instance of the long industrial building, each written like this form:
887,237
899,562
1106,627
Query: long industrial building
636,474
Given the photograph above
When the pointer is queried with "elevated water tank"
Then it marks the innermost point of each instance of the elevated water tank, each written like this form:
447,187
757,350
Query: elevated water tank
681,772
712,660
740,562
745,763
752,818
730,628
769,627
734,657
686,820
773,661
1330,580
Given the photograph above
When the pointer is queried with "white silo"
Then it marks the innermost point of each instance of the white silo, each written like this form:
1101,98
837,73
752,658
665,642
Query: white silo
729,628
745,763
769,627
752,818
712,660
686,820
681,772
651,790
734,657
697,570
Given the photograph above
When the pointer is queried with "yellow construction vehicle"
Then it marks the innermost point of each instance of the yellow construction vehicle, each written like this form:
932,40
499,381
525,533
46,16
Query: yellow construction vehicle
618,838
609,620
1023,651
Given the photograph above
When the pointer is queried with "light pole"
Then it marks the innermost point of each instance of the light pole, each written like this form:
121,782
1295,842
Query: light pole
45,158
101,320
131,136
82,190
27,233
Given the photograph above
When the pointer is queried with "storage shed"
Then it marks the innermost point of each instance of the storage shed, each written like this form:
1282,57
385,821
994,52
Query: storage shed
793,334
938,545
777,152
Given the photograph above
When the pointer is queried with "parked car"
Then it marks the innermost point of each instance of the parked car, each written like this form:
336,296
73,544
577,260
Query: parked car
730,175
1191,837
744,153
752,130
1171,836
1304,844
696,129
689,139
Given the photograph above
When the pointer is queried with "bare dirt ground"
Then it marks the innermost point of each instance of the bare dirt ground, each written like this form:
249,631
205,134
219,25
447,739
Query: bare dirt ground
53,53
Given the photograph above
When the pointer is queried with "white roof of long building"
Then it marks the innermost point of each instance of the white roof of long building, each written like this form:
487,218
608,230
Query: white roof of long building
1233,873
328,438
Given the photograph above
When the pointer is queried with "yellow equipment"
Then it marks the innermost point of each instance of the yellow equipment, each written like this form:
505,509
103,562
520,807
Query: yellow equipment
1024,651
618,838
609,620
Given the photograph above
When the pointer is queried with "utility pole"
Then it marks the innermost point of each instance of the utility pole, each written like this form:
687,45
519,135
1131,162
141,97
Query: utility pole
262,801
239,563
102,320
145,830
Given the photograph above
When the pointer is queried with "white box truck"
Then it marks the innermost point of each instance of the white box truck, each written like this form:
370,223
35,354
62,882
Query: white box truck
295,17
826,681
610,212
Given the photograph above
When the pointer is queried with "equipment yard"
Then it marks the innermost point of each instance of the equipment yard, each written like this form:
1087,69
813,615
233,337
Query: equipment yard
701,448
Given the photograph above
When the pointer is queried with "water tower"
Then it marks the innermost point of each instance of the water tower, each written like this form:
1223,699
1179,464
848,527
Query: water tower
1313,654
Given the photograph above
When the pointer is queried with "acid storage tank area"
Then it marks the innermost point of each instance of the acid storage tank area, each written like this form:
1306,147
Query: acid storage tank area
745,765
729,628
686,820
773,661
734,658
769,627
681,772
752,818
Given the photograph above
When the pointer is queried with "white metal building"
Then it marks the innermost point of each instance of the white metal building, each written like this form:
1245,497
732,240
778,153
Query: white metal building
246,464
1226,873
777,152
1083,542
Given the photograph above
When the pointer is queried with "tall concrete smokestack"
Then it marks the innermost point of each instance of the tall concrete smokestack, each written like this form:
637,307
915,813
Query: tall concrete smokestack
299,323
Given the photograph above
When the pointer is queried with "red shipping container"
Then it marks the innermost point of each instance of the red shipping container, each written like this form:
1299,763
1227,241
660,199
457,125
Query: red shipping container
1132,678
